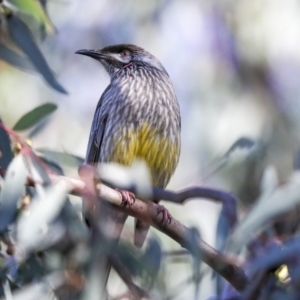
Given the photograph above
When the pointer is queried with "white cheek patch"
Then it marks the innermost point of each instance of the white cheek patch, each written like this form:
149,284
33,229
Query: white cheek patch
119,58
153,62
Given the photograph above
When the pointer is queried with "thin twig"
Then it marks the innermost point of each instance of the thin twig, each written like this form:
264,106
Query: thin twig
175,253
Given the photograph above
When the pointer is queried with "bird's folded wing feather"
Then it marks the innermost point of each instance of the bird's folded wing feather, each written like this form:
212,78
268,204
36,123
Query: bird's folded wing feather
96,135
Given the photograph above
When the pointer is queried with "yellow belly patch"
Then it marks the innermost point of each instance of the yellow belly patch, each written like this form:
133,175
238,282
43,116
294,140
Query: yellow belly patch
159,152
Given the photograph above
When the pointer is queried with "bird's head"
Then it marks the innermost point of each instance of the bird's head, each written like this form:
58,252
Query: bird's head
117,57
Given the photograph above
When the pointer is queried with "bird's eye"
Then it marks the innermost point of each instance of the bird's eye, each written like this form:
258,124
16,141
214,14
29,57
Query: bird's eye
125,53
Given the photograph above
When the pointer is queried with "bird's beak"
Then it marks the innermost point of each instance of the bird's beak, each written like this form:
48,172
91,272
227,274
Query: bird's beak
92,53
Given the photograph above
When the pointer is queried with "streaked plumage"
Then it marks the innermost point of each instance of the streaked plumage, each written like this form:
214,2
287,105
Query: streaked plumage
138,114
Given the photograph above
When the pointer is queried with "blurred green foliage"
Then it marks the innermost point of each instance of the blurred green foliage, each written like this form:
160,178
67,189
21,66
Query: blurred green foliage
19,37
34,116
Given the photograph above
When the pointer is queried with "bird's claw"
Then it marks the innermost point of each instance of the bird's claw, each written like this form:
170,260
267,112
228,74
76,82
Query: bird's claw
128,198
166,216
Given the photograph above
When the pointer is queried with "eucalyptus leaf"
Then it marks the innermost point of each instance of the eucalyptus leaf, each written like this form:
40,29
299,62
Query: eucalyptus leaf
95,287
29,270
52,165
226,222
38,128
7,290
270,204
13,188
15,59
43,3
34,116
22,36
129,256
274,255
36,9
38,167
6,154
151,260
31,230
41,289
58,157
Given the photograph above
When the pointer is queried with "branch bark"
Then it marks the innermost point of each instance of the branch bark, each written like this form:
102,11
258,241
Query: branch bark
147,211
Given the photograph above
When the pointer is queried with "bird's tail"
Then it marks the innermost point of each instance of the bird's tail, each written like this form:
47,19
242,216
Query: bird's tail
112,221
140,233
119,218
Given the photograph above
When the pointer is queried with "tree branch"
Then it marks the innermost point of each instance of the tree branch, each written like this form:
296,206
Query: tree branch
147,211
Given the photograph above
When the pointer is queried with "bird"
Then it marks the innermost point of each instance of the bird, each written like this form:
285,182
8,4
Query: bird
137,117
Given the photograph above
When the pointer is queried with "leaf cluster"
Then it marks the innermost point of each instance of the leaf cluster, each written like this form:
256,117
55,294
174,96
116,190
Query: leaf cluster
22,23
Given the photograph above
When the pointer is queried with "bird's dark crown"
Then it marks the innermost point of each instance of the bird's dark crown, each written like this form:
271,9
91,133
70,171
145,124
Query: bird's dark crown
117,57
123,47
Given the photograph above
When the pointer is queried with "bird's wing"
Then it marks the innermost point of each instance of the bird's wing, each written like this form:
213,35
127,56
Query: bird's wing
97,133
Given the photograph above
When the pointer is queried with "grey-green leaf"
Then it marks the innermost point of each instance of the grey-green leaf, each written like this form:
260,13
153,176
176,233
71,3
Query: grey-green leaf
22,36
34,116
43,3
14,181
43,210
15,59
274,200
6,154
58,157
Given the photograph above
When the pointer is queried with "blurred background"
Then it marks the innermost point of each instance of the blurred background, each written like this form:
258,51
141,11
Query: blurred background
235,66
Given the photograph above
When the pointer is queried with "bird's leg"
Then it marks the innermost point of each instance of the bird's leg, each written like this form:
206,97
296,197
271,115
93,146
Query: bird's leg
128,198
166,216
